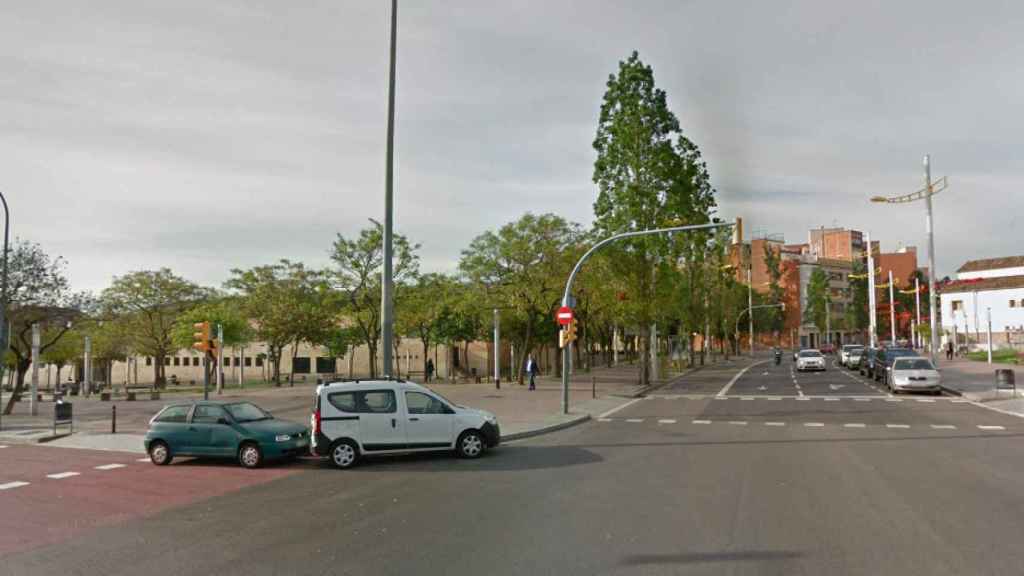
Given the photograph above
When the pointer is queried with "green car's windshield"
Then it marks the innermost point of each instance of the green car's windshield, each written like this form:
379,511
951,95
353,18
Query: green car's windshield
246,412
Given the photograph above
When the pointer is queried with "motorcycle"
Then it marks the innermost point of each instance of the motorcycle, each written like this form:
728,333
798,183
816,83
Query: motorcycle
778,357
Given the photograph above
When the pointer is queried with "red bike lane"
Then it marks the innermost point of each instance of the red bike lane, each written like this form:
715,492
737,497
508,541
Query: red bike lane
48,495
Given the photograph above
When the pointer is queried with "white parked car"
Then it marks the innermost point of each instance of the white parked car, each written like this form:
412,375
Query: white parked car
913,374
846,351
810,360
853,358
354,419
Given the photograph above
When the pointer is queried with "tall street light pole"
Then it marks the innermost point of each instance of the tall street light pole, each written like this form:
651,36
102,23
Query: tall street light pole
4,332
930,189
872,311
386,296
750,305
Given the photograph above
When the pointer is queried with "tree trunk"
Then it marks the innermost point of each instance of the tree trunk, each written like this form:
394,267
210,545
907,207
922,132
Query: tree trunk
426,351
19,385
372,350
158,363
645,351
527,346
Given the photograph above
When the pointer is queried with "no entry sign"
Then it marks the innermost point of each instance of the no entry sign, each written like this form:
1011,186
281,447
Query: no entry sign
564,315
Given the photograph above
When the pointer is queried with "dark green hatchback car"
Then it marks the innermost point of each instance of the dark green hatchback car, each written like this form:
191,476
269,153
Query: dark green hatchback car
240,430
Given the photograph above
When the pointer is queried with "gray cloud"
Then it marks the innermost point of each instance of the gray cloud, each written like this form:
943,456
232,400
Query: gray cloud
209,136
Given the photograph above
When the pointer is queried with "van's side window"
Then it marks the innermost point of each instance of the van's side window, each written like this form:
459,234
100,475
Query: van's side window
376,402
344,401
419,403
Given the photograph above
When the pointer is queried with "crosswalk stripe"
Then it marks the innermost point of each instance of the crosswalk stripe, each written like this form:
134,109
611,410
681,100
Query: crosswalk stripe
10,485
943,427
666,421
894,400
897,425
924,399
738,422
831,399
980,427
959,401
814,424
854,425
599,420
634,419
774,423
62,475
702,421
862,399
3,446
109,467
143,460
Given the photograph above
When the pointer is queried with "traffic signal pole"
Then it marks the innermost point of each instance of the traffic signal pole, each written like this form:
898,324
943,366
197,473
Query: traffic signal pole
567,295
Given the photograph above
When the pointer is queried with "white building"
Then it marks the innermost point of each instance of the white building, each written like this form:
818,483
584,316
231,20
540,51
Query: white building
993,286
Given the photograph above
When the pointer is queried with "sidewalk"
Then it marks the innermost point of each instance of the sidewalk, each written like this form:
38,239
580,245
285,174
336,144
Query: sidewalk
975,380
521,412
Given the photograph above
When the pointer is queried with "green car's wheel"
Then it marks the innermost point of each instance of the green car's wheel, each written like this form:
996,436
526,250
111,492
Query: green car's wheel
249,455
160,453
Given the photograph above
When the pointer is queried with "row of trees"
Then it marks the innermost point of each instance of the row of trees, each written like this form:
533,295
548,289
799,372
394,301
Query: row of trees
648,174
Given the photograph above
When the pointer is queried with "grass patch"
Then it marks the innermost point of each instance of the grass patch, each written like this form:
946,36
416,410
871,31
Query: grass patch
1000,356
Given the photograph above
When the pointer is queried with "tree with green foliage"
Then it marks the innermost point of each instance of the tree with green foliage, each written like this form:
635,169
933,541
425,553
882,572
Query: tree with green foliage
817,300
150,303
422,306
281,300
649,175
857,313
524,265
357,273
39,293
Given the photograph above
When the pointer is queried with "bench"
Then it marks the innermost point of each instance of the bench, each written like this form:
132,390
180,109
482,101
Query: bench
130,391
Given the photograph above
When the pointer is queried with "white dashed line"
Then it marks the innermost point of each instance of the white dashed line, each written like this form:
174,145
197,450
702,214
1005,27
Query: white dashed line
702,421
814,424
666,421
924,400
802,397
634,419
961,401
894,400
943,427
738,422
774,423
3,446
897,425
854,425
991,427
617,408
109,467
10,485
773,398
831,399
62,475
143,460
721,397
746,398
599,420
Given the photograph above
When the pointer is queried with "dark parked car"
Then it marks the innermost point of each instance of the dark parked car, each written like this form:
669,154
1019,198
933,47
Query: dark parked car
240,430
883,363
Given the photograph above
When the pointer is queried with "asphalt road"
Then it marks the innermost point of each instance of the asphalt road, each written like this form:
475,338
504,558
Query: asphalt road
715,475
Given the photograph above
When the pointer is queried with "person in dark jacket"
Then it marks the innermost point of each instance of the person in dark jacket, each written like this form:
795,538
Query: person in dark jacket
430,369
532,369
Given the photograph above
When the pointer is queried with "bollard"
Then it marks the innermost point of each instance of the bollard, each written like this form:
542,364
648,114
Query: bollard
593,386
497,383
113,419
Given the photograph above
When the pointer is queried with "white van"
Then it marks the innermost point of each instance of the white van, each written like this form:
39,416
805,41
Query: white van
353,419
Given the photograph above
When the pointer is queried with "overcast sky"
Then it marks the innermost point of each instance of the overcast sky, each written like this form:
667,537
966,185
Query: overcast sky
204,136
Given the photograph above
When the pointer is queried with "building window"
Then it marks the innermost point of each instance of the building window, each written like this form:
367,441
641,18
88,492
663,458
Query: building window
177,361
1013,303
195,361
259,361
248,361
958,305
167,360
300,365
326,365
149,361
227,361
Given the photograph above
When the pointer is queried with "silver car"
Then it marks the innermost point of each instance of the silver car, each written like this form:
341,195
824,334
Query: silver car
847,351
810,360
914,374
853,358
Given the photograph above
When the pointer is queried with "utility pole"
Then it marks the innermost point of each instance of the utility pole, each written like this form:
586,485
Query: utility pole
917,305
615,345
220,358
497,349
934,342
36,337
241,367
988,319
828,316
892,310
750,306
872,312
387,298
87,366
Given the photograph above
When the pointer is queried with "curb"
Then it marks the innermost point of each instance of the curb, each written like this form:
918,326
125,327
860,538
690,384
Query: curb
951,391
546,429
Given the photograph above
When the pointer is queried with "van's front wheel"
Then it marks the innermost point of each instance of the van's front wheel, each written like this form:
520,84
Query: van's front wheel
470,444
344,454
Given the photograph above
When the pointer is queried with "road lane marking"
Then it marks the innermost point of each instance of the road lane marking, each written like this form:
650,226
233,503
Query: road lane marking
943,427
702,422
854,425
3,447
143,460
109,467
958,401
862,399
831,399
62,475
738,422
666,421
634,419
802,397
616,409
894,399
746,398
774,423
772,398
897,425
721,397
738,375
980,427
599,420
924,400
10,485
814,424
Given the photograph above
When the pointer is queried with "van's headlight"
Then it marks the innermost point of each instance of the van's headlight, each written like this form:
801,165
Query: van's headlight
282,437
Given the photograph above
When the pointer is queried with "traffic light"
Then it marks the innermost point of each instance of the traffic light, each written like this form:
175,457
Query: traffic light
561,338
203,341
570,331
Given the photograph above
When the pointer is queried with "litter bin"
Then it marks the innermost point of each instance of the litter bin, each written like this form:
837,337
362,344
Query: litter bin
1006,379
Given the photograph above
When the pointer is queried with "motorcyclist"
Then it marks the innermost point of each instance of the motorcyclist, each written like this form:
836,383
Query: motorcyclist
778,356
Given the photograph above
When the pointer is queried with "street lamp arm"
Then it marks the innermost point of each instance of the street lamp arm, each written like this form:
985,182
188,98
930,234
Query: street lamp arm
624,235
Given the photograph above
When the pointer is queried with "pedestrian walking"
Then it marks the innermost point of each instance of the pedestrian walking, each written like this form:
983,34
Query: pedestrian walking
532,370
949,350
430,369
